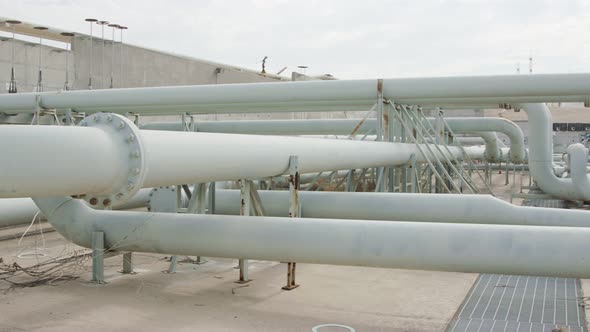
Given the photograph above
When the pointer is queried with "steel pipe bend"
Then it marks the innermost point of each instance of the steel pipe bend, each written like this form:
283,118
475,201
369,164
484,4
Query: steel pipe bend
530,250
578,162
541,164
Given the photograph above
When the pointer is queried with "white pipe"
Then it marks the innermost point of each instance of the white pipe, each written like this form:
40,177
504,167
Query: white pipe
310,94
507,127
46,160
445,208
469,140
234,157
358,126
112,161
274,127
528,250
541,155
18,211
578,155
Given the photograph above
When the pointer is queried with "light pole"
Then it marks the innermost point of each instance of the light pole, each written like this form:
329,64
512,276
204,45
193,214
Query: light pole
68,48
12,85
91,21
113,26
121,28
39,87
102,71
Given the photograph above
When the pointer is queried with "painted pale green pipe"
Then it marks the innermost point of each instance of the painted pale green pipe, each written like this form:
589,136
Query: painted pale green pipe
521,250
310,95
479,126
18,211
446,208
120,160
541,165
578,161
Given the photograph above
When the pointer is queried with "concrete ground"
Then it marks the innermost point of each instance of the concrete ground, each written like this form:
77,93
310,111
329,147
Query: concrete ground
206,298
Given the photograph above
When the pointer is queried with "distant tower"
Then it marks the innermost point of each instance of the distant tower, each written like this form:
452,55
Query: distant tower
518,68
530,64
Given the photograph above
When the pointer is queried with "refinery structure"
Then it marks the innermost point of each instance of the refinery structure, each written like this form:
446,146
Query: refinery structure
443,203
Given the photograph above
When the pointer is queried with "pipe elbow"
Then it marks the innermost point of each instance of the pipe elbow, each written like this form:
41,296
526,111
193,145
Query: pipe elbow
70,217
578,160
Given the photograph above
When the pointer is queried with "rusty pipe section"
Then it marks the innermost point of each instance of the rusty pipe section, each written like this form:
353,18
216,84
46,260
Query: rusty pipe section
521,250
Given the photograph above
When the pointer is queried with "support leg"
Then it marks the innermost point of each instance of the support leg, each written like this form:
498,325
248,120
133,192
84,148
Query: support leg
98,257
294,212
128,263
245,209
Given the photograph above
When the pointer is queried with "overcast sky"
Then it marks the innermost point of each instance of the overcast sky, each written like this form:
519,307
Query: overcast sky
347,38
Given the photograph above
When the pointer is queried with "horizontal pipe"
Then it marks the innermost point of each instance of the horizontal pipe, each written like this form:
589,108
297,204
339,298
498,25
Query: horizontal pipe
111,158
45,160
310,94
507,127
445,208
522,250
18,211
357,126
274,127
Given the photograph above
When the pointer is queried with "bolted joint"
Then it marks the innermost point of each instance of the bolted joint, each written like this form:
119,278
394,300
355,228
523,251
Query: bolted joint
131,153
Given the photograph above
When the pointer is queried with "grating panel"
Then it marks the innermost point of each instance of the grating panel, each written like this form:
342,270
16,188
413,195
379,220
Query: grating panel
521,303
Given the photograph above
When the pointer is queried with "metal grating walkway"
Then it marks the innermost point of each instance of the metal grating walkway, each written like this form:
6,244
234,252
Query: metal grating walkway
521,303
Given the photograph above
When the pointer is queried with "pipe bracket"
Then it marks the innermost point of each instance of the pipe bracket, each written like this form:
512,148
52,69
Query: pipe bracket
129,147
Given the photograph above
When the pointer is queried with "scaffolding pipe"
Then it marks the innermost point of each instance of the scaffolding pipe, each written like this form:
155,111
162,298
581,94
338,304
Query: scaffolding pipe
470,209
309,95
521,250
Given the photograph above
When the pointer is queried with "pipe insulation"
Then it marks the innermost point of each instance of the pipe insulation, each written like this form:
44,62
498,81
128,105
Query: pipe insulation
521,250
310,95
444,208
108,159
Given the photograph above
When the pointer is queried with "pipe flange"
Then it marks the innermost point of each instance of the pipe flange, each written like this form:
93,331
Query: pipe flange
127,139
163,199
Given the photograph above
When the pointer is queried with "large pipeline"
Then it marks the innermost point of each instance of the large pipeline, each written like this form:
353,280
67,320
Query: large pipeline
522,250
310,95
109,159
18,211
443,208
478,126
541,158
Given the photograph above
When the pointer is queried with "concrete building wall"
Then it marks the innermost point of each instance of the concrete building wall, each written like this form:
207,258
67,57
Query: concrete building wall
26,60
147,68
141,67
